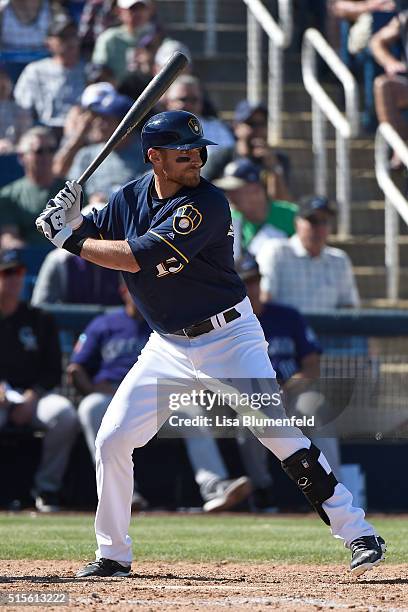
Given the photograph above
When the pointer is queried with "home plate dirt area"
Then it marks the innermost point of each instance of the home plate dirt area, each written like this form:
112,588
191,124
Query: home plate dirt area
211,586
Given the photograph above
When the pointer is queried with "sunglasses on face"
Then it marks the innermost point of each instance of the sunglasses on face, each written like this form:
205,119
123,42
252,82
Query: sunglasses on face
12,272
191,99
318,221
254,123
44,151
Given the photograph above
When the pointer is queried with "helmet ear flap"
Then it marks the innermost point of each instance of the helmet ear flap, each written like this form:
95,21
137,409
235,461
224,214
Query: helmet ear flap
203,155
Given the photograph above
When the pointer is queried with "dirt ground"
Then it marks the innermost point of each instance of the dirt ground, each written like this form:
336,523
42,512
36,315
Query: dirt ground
202,586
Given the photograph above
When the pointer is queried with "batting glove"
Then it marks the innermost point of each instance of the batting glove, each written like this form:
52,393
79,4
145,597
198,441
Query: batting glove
70,198
52,223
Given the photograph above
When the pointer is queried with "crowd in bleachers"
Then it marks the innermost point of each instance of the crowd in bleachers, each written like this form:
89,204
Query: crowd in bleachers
69,71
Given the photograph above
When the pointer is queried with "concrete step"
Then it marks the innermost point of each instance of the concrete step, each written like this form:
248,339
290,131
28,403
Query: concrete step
231,37
370,216
228,11
364,183
371,282
369,250
232,67
295,98
301,153
386,303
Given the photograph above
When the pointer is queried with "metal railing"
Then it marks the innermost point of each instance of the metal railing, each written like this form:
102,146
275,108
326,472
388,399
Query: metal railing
395,203
210,38
323,107
279,36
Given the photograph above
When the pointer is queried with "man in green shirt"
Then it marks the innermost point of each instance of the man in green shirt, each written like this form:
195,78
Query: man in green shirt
112,45
22,200
255,218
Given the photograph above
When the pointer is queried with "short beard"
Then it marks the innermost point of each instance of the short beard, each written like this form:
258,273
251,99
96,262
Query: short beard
185,181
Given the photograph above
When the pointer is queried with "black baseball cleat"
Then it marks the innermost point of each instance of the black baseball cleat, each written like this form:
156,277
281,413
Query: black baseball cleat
366,553
103,567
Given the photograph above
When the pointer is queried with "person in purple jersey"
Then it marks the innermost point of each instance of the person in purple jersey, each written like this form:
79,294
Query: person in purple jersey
294,352
102,357
170,232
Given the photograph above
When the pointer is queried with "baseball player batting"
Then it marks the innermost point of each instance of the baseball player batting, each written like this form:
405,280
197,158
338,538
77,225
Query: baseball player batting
170,234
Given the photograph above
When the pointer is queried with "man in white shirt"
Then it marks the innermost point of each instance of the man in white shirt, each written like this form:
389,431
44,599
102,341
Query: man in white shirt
303,271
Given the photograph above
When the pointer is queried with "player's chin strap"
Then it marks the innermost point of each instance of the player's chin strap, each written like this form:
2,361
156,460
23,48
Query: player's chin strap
304,469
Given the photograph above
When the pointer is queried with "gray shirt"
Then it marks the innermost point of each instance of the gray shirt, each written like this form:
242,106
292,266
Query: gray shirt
120,167
49,90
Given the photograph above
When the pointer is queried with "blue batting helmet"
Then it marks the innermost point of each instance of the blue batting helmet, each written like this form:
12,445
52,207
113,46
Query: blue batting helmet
174,130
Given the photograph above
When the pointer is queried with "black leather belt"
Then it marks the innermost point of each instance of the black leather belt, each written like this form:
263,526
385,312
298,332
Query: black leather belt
206,326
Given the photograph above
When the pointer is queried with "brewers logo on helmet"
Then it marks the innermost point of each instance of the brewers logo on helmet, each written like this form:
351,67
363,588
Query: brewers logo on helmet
174,130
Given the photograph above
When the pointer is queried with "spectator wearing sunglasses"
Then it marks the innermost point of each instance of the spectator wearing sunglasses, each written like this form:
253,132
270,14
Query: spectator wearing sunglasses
186,94
23,199
250,128
303,271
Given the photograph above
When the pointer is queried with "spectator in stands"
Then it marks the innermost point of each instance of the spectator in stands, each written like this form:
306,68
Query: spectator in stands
256,218
140,59
97,16
24,24
102,357
122,165
113,45
391,88
294,352
166,50
14,120
23,199
303,271
359,20
250,126
68,279
49,87
186,94
30,368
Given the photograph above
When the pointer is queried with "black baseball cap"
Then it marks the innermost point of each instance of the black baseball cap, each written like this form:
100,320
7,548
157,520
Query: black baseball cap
308,205
238,173
245,109
61,26
246,266
11,258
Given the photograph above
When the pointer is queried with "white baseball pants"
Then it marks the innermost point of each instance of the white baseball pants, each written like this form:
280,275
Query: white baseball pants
236,350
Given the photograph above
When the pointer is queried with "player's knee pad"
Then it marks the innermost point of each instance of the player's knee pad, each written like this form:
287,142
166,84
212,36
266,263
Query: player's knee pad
304,469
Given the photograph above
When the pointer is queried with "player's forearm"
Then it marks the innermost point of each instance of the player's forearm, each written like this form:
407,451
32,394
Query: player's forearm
114,254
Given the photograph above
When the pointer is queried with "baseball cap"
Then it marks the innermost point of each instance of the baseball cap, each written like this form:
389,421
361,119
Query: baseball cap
238,173
246,266
61,25
94,93
245,109
308,205
168,48
10,258
125,4
112,104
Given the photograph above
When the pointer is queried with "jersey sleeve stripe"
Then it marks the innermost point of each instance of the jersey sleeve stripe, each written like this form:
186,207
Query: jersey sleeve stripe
170,245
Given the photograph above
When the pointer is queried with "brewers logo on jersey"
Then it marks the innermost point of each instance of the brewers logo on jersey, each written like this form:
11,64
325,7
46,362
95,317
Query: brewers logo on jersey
186,219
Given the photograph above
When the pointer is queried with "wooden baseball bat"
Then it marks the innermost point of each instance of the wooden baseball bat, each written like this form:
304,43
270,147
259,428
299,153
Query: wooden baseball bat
145,102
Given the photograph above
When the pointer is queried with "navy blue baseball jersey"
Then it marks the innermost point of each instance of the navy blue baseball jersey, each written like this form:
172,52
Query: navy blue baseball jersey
289,339
183,245
110,345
